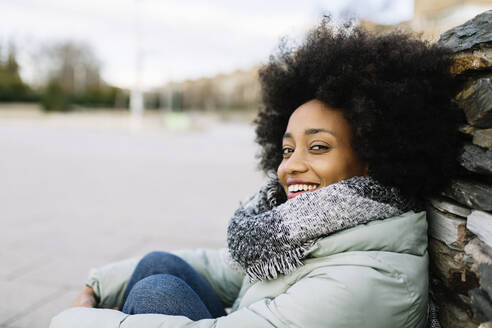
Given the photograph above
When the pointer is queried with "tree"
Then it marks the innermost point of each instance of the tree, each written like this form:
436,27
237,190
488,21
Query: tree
72,76
12,88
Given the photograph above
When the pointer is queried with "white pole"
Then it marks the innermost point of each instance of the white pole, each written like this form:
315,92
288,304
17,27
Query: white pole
136,95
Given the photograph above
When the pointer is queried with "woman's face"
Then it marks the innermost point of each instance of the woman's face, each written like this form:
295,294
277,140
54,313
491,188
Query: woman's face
316,150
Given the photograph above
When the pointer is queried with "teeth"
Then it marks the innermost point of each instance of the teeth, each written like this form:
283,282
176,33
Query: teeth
299,187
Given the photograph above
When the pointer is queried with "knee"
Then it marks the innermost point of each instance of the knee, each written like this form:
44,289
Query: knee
157,284
157,256
152,294
158,261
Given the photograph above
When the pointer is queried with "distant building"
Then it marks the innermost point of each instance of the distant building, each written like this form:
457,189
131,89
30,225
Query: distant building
437,16
431,18
237,90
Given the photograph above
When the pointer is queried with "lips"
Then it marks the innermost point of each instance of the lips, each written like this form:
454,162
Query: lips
296,187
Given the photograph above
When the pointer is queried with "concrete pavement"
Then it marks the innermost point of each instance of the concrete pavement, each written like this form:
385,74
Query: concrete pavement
74,197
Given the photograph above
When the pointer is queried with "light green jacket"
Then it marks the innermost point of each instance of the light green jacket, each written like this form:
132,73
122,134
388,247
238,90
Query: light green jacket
372,276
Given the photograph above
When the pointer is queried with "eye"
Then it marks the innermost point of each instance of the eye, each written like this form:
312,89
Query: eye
286,151
319,147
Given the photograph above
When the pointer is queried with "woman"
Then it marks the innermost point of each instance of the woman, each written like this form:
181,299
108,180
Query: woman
358,128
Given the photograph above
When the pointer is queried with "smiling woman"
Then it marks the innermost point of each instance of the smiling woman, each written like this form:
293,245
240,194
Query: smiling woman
317,150
355,130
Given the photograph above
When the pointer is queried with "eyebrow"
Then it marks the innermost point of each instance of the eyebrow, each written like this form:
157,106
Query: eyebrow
309,132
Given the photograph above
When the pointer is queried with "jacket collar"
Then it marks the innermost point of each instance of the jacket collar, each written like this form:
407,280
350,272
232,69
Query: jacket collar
406,233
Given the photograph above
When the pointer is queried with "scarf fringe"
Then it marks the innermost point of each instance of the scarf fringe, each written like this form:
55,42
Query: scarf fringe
281,264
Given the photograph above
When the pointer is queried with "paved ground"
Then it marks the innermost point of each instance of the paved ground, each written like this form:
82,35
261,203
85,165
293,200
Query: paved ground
74,196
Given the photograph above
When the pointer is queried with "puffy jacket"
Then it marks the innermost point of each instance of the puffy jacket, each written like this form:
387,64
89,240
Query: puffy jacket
372,276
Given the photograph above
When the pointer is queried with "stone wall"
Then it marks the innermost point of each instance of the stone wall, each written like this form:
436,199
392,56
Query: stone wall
460,219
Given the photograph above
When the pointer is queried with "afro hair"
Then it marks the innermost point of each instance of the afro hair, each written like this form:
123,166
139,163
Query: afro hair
395,90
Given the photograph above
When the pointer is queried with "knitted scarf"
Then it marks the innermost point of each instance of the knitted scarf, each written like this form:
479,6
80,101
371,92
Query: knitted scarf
268,235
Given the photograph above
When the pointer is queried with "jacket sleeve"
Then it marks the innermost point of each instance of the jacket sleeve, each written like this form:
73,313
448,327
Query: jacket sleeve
290,309
109,281
317,301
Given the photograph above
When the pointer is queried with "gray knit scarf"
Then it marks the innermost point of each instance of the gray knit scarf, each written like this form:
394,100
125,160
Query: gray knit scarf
268,235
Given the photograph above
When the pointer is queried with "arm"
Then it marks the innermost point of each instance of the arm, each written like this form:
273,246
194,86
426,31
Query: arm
285,311
109,282
343,296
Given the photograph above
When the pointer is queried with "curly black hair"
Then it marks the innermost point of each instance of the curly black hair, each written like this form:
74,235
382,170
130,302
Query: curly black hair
395,90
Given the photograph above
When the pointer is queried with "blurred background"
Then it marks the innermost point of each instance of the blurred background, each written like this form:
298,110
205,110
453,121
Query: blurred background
125,126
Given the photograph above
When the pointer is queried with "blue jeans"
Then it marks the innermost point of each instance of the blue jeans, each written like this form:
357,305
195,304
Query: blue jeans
164,283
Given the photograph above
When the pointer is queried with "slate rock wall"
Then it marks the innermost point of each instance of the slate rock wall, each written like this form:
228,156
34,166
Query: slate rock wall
460,219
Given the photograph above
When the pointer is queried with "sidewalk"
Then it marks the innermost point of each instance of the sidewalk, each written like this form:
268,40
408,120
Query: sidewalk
75,197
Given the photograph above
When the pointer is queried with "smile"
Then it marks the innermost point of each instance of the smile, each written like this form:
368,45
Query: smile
297,189
301,187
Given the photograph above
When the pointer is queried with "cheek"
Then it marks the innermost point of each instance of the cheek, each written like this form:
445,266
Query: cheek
354,166
281,172
282,176
325,170
332,169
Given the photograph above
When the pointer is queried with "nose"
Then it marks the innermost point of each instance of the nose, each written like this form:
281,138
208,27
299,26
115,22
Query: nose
296,163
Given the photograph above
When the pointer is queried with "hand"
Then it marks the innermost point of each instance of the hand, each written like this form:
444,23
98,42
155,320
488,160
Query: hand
86,298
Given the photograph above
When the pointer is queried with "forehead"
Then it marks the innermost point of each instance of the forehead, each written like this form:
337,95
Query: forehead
315,114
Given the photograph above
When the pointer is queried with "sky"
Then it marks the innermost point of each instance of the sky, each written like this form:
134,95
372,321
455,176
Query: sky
176,39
